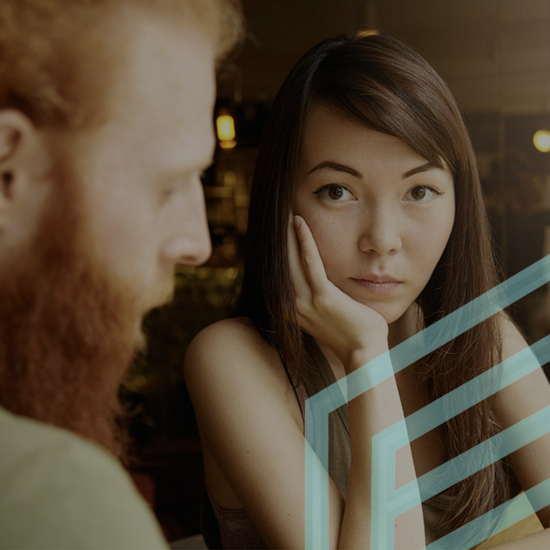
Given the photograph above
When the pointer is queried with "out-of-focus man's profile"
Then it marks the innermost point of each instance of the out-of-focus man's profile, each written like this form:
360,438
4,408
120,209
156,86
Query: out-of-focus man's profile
105,127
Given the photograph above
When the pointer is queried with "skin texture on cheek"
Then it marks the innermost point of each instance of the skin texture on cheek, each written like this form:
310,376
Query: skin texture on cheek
421,242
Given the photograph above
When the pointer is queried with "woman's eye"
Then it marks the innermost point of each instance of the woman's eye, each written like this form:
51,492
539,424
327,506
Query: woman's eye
423,193
334,192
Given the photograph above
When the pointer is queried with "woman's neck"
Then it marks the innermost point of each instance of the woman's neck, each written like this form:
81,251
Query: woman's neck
406,326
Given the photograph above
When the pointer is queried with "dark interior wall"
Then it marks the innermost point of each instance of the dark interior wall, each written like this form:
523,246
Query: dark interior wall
495,54
280,31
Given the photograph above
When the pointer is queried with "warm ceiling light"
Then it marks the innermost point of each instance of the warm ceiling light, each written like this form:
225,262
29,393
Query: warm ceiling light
225,125
541,140
228,144
367,32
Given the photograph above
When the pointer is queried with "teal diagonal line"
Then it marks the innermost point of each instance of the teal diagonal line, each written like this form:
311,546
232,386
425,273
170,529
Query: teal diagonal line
383,472
316,486
474,532
510,370
513,438
386,443
374,372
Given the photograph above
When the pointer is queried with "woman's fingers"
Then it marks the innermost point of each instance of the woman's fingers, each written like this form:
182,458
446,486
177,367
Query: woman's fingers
311,260
297,272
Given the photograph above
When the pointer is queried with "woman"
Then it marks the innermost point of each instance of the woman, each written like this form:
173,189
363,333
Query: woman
366,153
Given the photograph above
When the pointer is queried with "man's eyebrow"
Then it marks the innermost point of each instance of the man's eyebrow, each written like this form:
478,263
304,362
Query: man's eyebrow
337,167
418,170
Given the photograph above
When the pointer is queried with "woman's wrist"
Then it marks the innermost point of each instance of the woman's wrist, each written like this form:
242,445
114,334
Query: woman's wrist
361,356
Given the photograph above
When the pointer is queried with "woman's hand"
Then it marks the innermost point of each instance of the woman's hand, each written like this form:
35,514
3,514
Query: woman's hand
324,311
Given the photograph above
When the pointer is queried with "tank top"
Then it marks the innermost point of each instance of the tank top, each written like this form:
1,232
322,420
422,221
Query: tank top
236,529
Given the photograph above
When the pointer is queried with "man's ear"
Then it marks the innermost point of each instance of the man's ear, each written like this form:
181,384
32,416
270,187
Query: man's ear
24,161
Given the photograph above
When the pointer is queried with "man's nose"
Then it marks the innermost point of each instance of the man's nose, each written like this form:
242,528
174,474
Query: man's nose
380,231
190,249
191,245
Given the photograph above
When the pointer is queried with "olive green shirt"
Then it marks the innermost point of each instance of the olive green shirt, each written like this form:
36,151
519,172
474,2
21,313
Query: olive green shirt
59,490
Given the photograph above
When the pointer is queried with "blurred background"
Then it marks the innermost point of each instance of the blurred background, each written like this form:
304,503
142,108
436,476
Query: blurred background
495,57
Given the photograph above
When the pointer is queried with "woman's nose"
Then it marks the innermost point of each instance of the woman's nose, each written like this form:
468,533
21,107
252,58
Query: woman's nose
380,232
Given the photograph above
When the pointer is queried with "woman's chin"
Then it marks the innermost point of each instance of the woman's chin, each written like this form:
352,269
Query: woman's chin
392,313
391,317
390,310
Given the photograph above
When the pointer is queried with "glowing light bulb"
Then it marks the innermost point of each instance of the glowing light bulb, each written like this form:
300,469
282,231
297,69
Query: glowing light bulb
225,125
228,144
541,141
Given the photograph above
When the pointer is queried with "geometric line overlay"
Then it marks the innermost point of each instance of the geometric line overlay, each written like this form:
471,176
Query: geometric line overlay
385,499
395,502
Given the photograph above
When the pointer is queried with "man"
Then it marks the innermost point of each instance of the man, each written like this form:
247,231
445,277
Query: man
105,127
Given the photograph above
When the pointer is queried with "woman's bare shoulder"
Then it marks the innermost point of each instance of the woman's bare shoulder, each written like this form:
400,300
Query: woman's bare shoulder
225,332
229,337
529,393
230,348
512,338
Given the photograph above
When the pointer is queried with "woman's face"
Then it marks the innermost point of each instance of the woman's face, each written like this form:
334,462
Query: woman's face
381,214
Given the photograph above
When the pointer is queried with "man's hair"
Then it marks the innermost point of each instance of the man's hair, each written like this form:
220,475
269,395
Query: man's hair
47,46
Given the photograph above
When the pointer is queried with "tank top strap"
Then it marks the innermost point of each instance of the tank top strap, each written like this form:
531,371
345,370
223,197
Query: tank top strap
313,375
318,375
298,387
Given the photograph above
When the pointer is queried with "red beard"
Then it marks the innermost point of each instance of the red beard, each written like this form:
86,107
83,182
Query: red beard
67,333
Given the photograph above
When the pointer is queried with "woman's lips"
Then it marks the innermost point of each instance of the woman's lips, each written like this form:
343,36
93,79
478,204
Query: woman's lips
380,287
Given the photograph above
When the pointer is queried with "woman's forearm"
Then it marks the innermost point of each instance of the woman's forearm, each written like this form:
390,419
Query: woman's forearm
536,541
369,414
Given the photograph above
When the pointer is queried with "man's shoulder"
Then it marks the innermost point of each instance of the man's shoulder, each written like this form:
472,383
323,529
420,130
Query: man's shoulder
29,444
22,437
61,491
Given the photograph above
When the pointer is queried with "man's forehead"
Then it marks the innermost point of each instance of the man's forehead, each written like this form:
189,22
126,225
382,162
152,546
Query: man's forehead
166,70
157,115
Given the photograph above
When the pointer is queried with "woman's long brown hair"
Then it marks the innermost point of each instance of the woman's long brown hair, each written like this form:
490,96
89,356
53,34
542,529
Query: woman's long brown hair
384,84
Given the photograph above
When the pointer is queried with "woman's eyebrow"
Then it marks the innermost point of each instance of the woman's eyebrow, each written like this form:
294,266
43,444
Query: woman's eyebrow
418,170
337,167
